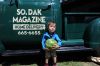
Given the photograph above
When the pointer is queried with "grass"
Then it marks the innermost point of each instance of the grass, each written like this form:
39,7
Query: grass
72,63
69,63
62,61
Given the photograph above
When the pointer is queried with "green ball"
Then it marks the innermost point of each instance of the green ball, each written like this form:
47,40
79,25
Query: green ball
50,43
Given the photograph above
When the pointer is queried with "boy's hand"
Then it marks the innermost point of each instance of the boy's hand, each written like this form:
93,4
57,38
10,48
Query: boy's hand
58,46
55,46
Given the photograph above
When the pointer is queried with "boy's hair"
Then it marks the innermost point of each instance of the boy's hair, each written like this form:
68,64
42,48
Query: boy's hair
50,22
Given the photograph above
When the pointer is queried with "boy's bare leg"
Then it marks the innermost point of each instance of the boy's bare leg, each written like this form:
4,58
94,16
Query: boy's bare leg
54,59
46,60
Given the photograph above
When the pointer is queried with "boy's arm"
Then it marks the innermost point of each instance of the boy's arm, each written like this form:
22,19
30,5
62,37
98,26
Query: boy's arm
59,40
43,42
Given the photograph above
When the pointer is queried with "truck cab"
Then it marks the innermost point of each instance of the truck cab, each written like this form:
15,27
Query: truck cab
23,22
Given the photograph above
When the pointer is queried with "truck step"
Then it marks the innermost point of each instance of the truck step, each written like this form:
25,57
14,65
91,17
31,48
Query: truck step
74,49
34,52
19,52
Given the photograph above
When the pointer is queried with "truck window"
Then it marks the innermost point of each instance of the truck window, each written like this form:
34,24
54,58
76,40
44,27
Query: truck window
76,17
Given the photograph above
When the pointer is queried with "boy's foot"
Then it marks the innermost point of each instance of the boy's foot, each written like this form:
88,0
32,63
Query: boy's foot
54,64
46,65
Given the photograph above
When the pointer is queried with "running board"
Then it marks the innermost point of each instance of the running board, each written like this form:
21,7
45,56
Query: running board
73,49
20,52
38,51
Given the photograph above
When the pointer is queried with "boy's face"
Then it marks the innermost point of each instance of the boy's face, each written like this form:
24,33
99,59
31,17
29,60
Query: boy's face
52,27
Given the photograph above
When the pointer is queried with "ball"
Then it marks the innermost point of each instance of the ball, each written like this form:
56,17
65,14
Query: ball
50,43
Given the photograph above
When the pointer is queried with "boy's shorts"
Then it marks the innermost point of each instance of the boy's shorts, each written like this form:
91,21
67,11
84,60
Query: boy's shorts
51,53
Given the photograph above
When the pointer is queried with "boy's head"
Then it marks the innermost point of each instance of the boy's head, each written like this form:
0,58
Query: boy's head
51,26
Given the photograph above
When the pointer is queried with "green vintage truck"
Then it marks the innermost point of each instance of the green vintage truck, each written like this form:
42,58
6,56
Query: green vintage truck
23,22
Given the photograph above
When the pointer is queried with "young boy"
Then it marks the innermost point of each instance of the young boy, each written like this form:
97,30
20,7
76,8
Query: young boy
47,35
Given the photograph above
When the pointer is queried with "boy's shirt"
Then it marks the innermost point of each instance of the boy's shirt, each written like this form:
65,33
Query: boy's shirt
48,36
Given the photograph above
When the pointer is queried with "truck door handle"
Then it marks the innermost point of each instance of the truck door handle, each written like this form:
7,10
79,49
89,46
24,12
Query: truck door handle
16,3
48,7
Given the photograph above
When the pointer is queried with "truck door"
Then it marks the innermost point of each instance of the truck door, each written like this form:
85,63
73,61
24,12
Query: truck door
25,20
28,17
